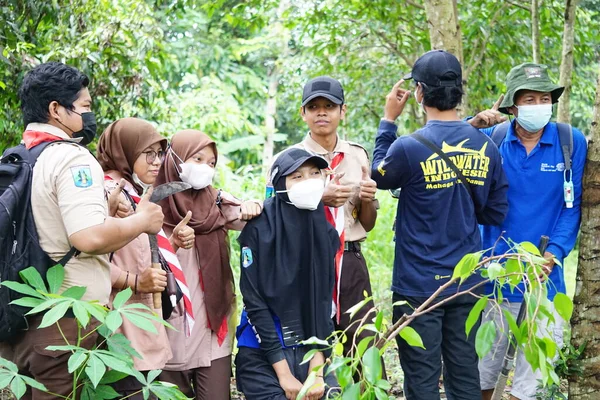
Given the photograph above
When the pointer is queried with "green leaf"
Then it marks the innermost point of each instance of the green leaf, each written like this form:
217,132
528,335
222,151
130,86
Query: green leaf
379,321
363,344
113,320
55,277
76,360
411,337
495,270
563,306
152,375
530,248
23,289
74,292
466,266
372,365
96,310
18,387
338,349
313,340
384,384
115,363
119,344
95,369
112,377
308,384
33,278
105,392
309,356
485,338
352,392
81,313
55,313
66,347
47,303
27,302
475,314
344,375
121,298
33,383
357,307
381,394
9,365
512,325
5,378
515,267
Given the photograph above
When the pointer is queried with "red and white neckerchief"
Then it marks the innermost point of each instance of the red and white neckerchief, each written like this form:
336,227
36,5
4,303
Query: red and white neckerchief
33,138
166,250
335,216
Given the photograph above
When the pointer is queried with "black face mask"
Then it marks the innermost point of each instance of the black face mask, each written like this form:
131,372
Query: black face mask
88,132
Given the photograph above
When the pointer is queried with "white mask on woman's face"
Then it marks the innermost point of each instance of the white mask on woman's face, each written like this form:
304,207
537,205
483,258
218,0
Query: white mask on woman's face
198,176
307,194
137,180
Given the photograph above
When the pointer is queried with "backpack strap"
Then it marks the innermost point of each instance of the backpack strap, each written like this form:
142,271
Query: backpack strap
565,136
499,133
73,252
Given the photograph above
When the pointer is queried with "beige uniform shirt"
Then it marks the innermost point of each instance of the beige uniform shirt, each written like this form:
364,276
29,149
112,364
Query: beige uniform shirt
355,156
67,197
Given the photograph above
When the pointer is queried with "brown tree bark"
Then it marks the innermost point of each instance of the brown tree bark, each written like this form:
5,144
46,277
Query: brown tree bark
445,33
586,314
535,31
566,66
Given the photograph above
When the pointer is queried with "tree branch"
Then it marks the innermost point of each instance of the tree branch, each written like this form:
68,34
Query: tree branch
412,3
519,5
482,43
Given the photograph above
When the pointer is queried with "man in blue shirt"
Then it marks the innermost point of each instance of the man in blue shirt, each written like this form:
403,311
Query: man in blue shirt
437,222
538,205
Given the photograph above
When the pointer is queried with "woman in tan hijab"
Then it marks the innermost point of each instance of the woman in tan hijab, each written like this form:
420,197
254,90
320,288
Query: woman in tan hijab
131,151
201,363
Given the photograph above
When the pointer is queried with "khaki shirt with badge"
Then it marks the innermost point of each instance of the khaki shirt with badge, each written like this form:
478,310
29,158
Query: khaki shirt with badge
355,157
67,197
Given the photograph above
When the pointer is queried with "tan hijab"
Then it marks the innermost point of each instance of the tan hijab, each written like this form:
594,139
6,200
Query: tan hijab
121,144
208,222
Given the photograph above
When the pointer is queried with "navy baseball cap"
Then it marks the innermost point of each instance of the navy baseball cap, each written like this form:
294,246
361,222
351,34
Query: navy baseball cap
323,86
292,159
436,68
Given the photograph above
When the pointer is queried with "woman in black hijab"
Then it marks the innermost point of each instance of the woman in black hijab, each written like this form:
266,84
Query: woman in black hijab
287,279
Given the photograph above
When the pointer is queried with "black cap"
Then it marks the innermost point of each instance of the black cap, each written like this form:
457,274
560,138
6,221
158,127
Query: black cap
436,68
323,86
292,159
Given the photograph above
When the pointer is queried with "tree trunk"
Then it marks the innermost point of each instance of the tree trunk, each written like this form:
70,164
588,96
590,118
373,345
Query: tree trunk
586,314
535,31
270,112
445,34
566,66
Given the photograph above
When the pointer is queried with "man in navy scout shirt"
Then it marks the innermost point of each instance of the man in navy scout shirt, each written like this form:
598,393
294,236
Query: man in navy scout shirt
535,167
437,223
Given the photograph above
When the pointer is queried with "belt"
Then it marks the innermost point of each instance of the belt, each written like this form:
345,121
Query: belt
352,246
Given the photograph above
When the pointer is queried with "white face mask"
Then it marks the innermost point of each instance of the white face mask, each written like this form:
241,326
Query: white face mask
197,175
307,194
534,118
136,179
419,102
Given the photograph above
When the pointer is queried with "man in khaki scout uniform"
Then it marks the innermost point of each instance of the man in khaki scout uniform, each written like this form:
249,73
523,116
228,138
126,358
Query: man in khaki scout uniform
350,186
70,209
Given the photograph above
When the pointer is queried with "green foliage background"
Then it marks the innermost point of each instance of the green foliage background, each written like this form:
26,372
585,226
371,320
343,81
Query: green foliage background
206,65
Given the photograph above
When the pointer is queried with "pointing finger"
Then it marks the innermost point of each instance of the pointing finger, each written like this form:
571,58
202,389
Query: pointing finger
498,102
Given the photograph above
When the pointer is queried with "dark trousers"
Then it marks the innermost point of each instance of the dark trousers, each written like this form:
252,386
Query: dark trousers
45,366
257,379
354,283
443,334
204,383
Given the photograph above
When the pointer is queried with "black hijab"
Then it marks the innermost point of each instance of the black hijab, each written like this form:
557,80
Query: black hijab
295,251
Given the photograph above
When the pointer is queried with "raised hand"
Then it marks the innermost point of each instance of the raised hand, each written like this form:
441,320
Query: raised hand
118,206
368,187
395,101
152,214
250,209
336,194
489,118
183,236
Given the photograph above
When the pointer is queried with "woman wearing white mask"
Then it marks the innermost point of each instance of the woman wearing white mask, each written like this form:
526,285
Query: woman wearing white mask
201,363
287,280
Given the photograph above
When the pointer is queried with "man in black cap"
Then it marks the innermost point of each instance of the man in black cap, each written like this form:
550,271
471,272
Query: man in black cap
451,180
349,198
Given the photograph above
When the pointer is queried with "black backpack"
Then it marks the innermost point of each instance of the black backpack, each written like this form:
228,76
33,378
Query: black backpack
19,243
565,136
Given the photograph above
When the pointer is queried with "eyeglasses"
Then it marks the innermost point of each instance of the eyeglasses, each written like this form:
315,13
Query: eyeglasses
151,156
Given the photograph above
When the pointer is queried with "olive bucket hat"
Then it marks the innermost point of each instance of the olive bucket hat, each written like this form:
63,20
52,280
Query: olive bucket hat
528,76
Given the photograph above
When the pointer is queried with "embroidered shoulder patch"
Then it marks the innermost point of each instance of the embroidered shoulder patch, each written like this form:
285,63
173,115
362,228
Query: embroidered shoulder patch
82,176
246,257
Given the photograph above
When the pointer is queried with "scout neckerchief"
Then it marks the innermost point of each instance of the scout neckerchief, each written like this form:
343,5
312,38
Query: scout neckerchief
33,138
166,250
335,216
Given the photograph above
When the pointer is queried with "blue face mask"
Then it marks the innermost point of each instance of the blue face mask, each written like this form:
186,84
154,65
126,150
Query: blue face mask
534,118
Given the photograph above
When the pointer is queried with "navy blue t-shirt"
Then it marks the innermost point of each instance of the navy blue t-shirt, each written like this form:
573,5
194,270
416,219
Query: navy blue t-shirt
437,221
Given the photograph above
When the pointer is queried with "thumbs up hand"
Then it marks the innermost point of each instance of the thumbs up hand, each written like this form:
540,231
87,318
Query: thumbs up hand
368,187
336,194
118,206
152,213
489,118
183,236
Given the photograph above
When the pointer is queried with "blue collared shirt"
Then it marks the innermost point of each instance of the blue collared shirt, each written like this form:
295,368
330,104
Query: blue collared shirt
536,203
